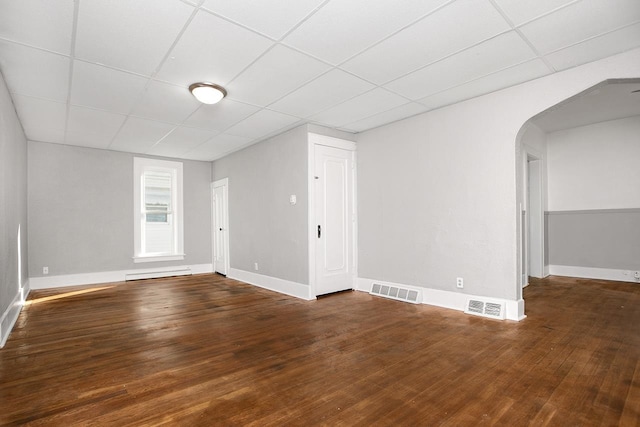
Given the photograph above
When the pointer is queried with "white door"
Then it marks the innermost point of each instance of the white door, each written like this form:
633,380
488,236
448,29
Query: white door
220,227
333,232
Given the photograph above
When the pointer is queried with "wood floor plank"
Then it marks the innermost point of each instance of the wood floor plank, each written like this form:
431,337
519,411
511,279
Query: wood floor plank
207,350
631,402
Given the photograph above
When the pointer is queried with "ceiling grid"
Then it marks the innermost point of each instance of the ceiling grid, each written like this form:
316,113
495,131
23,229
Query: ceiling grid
115,75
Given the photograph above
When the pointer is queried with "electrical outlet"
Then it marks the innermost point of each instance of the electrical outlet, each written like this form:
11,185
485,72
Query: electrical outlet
636,275
255,266
460,282
45,270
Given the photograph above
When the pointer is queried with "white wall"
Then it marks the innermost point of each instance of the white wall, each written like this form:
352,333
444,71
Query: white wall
13,213
439,193
534,138
595,166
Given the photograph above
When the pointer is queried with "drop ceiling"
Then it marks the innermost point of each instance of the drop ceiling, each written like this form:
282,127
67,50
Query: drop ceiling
114,74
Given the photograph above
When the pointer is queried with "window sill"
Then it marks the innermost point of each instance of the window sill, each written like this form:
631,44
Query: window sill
158,258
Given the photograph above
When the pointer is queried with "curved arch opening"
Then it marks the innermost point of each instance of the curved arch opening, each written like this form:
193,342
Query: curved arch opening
574,164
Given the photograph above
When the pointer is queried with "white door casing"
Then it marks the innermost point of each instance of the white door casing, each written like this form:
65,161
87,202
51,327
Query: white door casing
535,241
333,216
220,225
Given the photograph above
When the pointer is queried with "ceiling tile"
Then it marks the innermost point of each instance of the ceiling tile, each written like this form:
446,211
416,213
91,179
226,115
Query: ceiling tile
522,11
217,147
432,52
180,141
326,91
42,120
220,116
275,74
329,34
261,124
511,76
105,88
495,54
580,21
596,48
139,135
22,68
428,40
360,107
212,50
395,114
130,35
271,17
92,128
42,23
166,102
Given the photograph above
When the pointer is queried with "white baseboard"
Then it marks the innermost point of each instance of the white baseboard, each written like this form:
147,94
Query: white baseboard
10,315
282,286
363,285
47,282
449,299
201,268
593,273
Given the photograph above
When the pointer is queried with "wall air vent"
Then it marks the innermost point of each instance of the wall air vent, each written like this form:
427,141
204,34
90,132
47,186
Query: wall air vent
493,310
398,293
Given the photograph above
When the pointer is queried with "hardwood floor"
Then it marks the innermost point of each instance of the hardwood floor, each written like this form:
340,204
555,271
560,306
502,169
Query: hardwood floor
206,350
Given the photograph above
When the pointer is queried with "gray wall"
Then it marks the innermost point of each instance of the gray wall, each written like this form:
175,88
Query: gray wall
81,211
547,259
263,226
13,199
433,203
595,238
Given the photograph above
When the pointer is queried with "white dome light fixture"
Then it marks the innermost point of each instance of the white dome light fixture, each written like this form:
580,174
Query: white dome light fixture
207,93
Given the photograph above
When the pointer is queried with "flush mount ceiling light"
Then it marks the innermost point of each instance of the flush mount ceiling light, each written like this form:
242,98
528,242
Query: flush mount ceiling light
207,93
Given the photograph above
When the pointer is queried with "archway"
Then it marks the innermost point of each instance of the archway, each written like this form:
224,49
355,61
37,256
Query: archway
604,104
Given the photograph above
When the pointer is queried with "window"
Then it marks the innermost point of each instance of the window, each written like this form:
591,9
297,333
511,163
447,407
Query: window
157,210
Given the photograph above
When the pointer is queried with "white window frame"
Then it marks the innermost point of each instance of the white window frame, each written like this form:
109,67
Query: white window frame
140,166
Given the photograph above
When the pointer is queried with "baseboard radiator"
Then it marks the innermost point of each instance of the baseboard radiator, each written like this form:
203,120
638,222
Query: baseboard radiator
491,309
399,293
182,271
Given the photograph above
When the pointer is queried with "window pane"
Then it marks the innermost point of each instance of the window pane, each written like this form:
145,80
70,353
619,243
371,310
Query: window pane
156,217
157,195
158,224
159,230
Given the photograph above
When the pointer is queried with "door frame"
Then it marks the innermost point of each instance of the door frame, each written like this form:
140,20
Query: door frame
313,140
531,155
224,182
